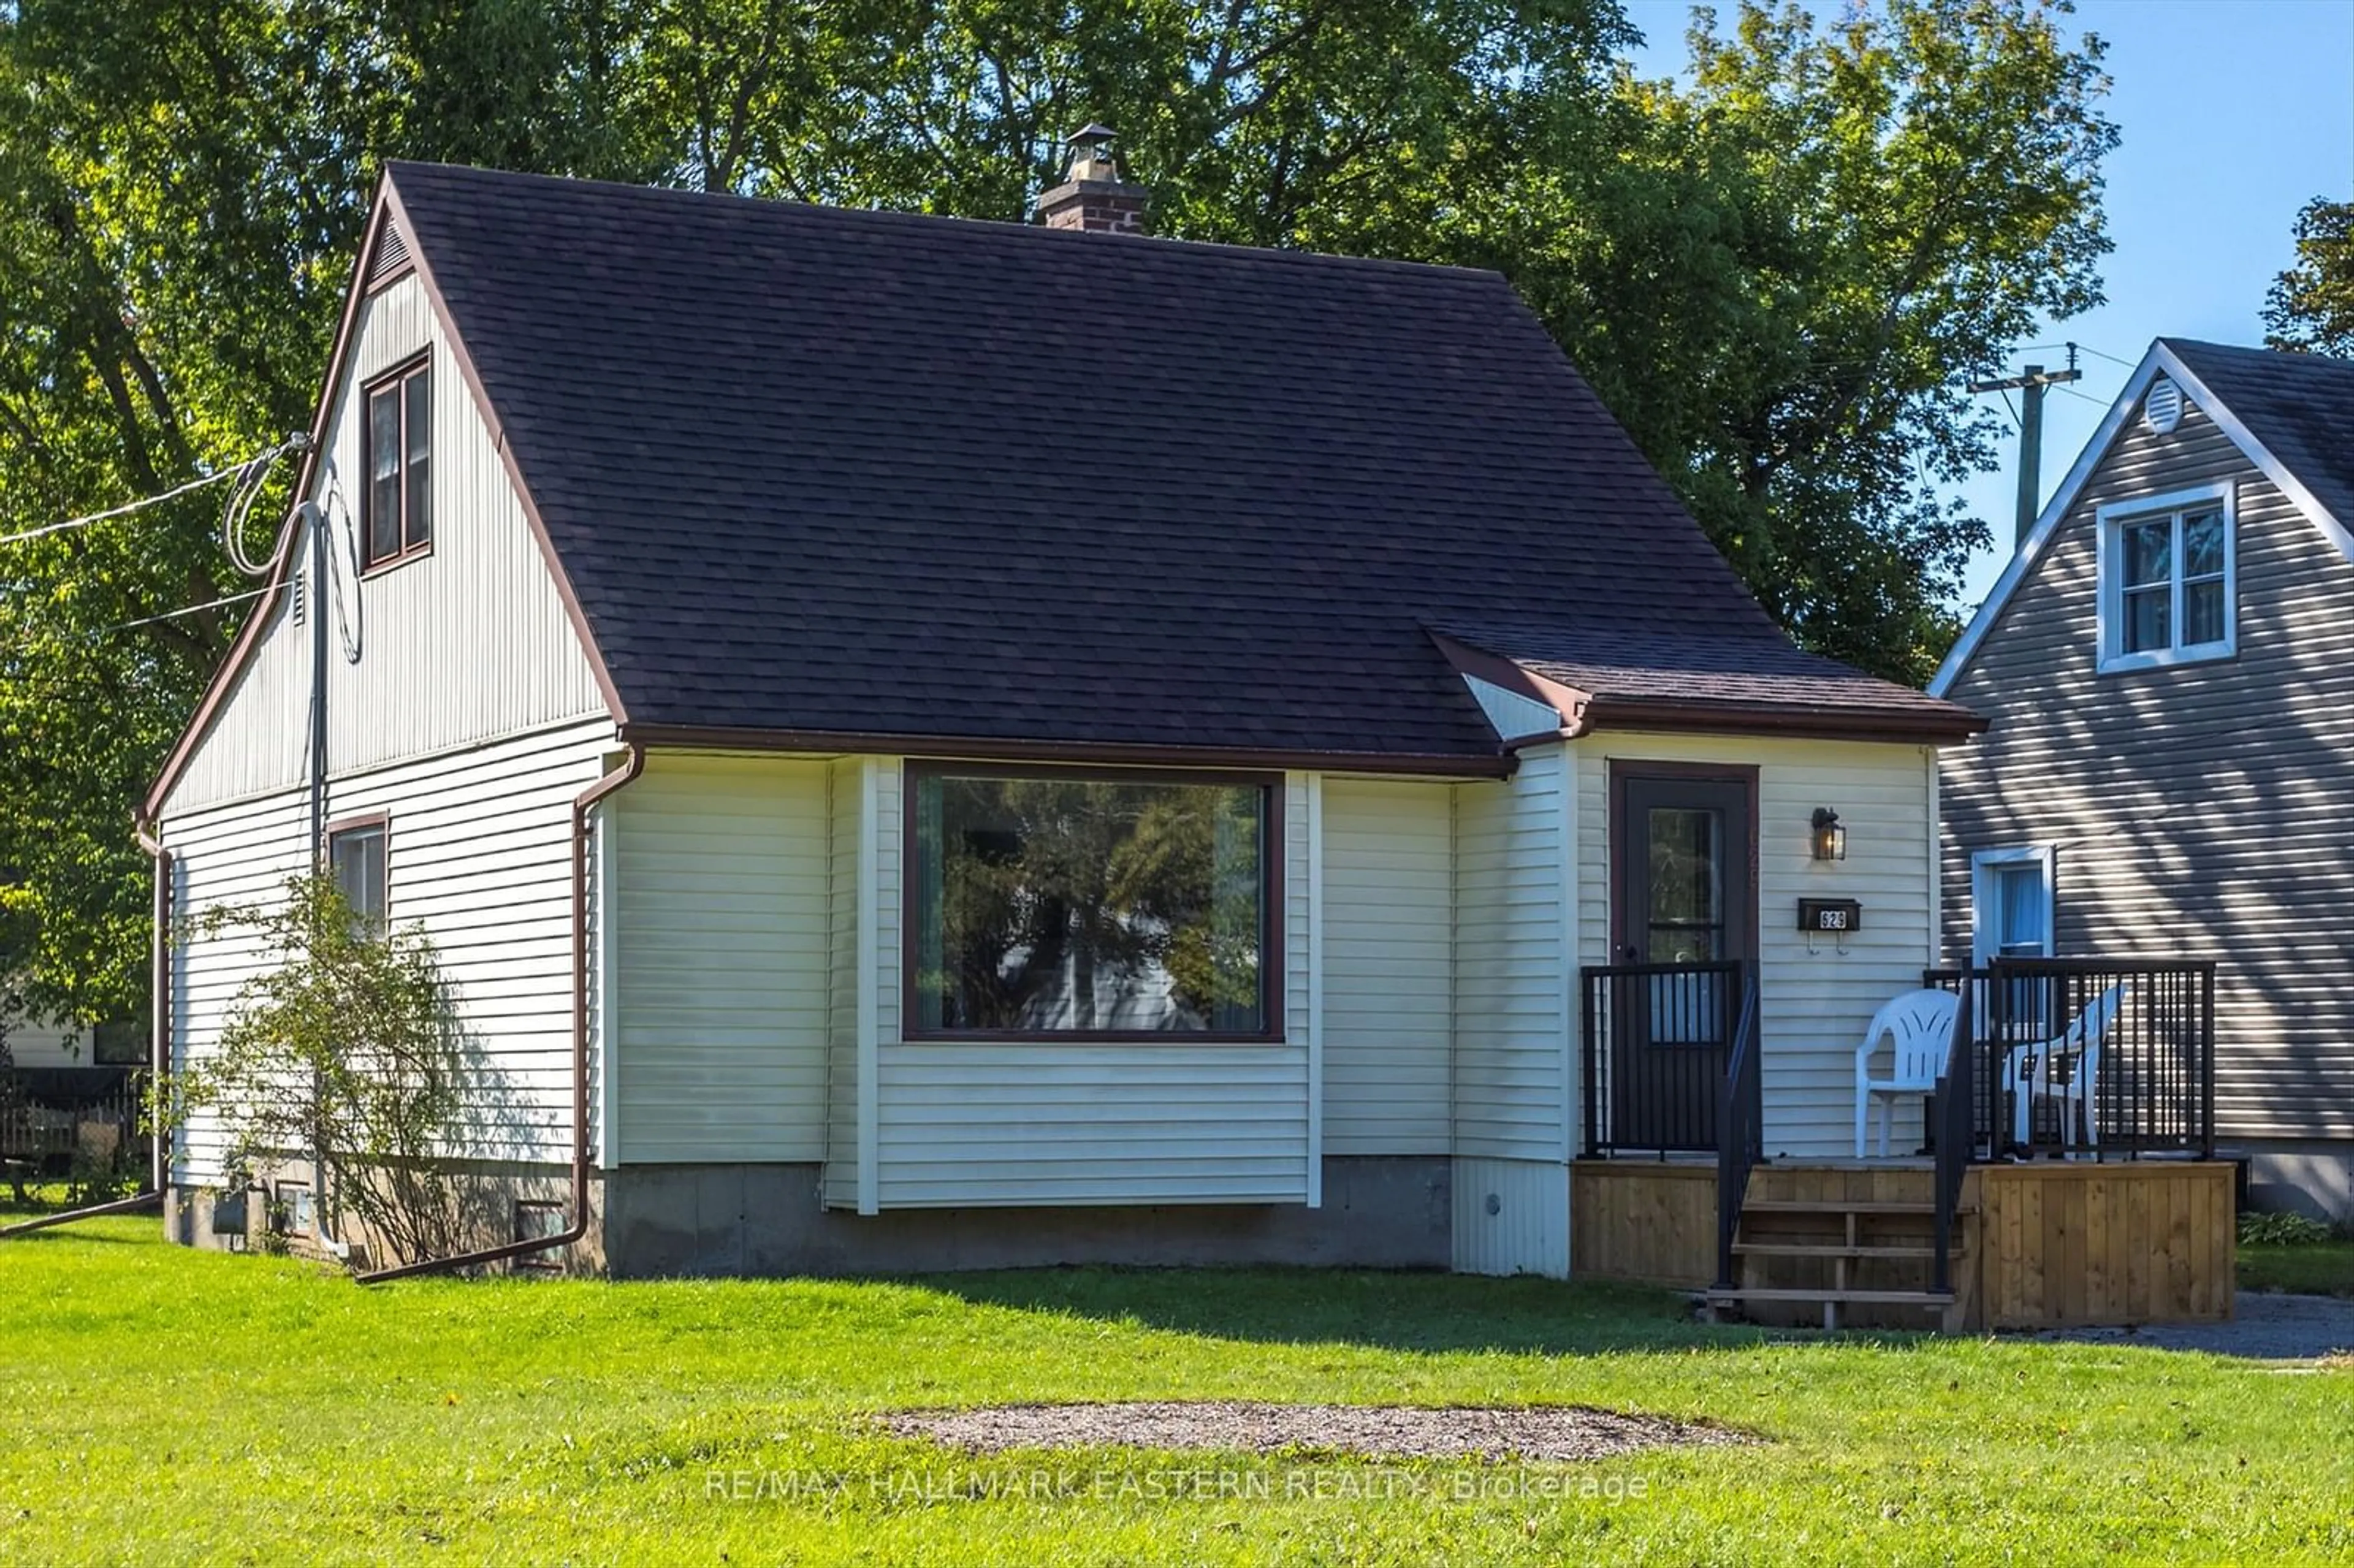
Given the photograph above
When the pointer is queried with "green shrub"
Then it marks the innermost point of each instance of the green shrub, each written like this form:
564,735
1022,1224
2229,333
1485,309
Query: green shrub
2282,1230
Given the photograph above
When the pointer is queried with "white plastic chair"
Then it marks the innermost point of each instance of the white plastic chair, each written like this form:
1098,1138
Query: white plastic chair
1921,1025
2027,1073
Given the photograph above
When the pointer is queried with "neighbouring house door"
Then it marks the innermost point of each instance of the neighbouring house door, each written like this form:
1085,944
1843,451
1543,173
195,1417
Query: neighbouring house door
1683,865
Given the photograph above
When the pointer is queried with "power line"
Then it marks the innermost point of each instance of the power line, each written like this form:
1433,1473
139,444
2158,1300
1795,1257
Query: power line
125,510
254,466
189,610
2111,358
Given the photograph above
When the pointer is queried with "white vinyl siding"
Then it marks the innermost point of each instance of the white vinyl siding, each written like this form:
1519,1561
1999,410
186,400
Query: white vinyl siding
1389,913
722,943
1513,716
237,857
1513,1030
479,854
1512,1217
843,793
1511,1033
464,644
1817,993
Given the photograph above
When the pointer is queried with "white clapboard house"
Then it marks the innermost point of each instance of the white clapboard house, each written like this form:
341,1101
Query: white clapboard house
931,743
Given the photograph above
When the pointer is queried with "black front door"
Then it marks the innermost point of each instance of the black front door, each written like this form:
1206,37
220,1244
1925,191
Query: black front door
1684,898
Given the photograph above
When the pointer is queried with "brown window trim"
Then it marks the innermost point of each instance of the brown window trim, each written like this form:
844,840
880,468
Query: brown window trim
1276,910
351,824
421,360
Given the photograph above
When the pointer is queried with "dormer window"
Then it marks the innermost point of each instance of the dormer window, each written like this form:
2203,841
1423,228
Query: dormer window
398,461
2168,580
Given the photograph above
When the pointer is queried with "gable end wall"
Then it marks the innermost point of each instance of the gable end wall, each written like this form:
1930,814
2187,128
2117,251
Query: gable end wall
2199,810
464,645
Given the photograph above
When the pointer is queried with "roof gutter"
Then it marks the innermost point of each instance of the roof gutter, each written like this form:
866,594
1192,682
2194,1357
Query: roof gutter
1426,765
1808,724
583,805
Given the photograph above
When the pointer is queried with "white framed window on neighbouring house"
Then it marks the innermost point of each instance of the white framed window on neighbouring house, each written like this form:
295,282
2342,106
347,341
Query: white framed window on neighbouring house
2011,903
2168,579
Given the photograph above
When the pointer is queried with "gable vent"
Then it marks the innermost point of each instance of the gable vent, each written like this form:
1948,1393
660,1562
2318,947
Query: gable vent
2161,410
391,256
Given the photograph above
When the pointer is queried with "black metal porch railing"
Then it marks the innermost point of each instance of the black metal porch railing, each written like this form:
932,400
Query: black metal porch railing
1741,1117
1951,1126
2099,1058
50,1116
1654,1053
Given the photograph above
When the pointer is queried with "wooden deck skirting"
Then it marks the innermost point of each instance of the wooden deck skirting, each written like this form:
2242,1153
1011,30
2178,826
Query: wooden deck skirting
2051,1243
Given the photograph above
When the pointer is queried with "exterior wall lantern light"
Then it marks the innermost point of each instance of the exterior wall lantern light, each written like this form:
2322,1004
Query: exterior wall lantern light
1831,838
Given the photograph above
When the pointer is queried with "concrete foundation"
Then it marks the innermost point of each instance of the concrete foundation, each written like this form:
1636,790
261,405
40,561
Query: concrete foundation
655,1221
2307,1176
499,1203
1378,1212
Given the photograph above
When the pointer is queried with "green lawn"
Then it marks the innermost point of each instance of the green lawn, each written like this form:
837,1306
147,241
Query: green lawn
2321,1268
169,1406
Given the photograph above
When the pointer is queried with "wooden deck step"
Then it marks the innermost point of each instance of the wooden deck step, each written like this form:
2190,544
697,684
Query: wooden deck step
1833,1206
1832,1249
1883,1297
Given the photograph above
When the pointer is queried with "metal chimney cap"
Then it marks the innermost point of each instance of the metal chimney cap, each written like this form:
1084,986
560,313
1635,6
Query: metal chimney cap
1093,131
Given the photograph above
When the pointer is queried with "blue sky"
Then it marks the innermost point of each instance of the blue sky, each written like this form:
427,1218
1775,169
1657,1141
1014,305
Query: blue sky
2232,114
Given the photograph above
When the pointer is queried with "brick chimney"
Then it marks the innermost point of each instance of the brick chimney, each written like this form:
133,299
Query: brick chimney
1092,195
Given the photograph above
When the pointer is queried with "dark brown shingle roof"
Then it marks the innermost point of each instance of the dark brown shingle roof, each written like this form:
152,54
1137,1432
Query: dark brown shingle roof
2298,407
835,472
1654,680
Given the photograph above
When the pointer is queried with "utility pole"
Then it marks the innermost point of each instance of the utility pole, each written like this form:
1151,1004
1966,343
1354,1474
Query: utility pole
2029,386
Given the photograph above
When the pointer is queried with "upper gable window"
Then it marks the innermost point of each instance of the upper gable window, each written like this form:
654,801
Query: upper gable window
2168,580
400,464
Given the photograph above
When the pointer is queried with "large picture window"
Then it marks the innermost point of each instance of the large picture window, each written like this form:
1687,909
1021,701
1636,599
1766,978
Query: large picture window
1047,904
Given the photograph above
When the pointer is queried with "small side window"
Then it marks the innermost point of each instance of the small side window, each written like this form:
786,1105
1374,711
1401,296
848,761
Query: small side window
356,860
2012,896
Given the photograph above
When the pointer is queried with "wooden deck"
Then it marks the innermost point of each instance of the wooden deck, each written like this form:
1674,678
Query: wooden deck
2048,1244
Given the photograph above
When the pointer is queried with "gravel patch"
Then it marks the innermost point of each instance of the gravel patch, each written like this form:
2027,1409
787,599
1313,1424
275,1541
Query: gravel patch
1373,1432
2267,1327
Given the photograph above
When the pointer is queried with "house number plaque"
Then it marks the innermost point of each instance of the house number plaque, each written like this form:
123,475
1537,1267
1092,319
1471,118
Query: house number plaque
1835,916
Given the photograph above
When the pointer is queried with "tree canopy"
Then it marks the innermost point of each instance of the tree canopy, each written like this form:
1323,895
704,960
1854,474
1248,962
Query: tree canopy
2310,308
1777,269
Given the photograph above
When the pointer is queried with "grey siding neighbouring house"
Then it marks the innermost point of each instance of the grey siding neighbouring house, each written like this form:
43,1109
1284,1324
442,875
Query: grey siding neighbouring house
2197,808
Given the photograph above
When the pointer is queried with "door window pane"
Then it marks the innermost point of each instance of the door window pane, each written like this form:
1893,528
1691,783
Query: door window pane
1687,884
1055,904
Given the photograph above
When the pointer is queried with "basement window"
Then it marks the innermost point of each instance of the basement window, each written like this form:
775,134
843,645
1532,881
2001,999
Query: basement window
1131,906
2168,580
398,461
